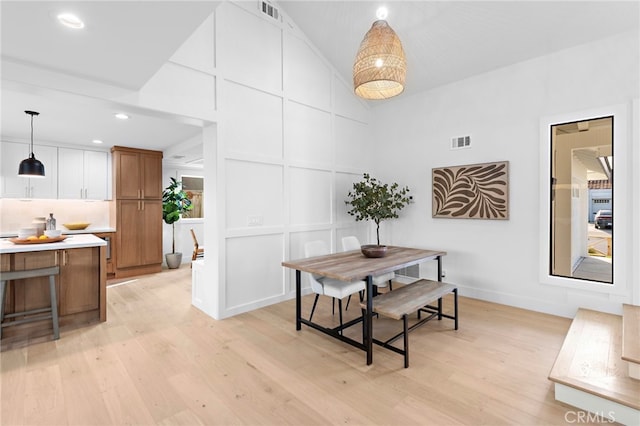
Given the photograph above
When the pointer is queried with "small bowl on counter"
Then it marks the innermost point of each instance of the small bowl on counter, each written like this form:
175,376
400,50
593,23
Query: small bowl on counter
76,226
53,233
24,233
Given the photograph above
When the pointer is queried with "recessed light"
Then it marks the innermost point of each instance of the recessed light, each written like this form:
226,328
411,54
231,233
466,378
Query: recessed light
382,12
97,141
121,116
70,20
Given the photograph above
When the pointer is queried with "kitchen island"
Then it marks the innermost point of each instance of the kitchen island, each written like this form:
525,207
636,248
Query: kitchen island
80,285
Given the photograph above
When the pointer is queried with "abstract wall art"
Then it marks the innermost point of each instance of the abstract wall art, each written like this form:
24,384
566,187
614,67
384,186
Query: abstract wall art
476,191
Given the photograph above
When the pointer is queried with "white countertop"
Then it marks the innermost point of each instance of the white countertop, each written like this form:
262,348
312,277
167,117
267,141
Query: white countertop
65,231
89,230
72,241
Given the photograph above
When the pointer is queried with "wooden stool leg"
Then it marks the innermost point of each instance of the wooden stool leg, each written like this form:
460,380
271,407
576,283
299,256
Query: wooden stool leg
54,307
3,288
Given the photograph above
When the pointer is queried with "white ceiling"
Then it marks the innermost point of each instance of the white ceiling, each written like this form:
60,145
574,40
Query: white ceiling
122,46
125,42
447,41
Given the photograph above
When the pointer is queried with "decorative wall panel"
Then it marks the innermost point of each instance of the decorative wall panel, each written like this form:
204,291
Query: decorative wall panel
248,48
254,195
476,191
254,122
308,134
307,78
353,144
253,269
311,199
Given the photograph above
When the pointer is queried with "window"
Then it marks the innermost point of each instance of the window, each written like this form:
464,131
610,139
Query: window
194,187
562,239
580,248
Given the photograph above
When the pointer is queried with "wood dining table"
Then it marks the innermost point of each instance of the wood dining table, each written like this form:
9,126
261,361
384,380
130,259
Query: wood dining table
353,266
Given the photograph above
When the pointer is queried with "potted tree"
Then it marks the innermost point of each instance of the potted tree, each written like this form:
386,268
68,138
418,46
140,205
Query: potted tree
370,199
174,203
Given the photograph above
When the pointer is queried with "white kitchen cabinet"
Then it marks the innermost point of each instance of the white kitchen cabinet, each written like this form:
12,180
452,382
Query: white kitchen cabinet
83,174
13,186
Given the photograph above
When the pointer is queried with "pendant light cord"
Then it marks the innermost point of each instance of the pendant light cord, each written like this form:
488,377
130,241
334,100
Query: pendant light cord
32,113
32,156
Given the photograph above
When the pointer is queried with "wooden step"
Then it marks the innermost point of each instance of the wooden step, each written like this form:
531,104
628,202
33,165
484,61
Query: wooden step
589,372
631,338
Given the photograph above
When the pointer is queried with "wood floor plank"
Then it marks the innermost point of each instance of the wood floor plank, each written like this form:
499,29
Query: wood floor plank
12,385
159,360
46,404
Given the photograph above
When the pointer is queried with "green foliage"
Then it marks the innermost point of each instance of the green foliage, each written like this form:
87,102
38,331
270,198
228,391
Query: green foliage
370,199
174,203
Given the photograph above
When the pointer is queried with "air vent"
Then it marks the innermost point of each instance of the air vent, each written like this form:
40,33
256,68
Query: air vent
269,9
461,142
412,271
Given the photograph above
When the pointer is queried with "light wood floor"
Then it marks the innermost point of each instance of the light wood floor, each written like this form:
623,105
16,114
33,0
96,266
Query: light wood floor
159,360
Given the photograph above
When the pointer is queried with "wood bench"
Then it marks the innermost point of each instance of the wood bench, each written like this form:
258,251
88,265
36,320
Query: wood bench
414,297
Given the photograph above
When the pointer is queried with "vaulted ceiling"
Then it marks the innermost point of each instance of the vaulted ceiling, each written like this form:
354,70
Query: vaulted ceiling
125,42
447,41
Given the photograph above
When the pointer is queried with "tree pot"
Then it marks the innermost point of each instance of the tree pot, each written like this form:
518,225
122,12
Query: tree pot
173,260
373,250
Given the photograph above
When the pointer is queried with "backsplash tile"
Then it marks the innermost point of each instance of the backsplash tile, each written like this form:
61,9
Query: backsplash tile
16,214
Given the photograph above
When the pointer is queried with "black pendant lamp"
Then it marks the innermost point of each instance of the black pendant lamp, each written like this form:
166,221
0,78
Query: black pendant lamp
31,167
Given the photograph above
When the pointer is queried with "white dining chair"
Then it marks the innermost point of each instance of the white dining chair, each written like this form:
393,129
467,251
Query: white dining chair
330,287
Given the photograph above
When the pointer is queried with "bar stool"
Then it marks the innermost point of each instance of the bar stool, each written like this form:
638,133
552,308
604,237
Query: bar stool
52,312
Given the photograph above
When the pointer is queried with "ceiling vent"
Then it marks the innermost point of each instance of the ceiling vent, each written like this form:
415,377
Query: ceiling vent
269,9
461,142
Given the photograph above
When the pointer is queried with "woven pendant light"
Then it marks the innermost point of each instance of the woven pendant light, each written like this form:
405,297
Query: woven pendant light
380,67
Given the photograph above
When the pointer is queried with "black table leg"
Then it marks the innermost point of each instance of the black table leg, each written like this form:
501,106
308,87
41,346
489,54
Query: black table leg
298,300
439,258
369,320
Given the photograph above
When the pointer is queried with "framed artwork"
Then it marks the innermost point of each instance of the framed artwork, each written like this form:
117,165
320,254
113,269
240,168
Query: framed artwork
476,191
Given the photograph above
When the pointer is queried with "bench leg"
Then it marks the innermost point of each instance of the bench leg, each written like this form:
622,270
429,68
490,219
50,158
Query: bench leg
405,320
54,307
455,307
439,309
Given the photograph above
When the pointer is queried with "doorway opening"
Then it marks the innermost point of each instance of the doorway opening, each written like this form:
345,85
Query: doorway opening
581,199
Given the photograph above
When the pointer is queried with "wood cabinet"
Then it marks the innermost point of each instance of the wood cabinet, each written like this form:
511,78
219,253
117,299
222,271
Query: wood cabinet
80,288
138,173
13,186
137,177
110,238
82,174
36,294
79,283
139,240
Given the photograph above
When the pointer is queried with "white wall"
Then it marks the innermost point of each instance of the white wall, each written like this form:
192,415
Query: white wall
292,139
498,260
